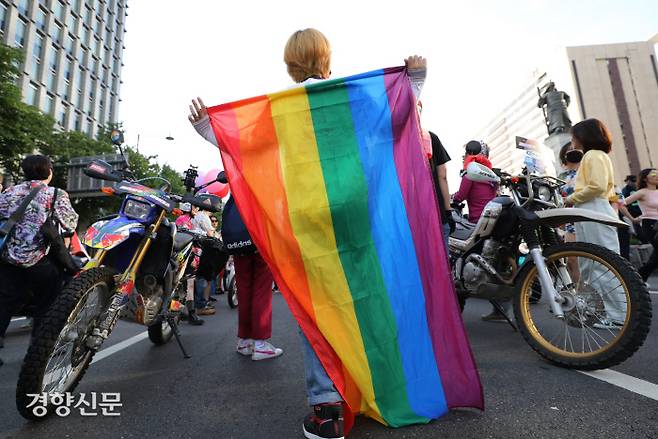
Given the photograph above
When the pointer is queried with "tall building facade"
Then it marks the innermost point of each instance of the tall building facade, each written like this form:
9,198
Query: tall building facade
618,84
73,52
521,117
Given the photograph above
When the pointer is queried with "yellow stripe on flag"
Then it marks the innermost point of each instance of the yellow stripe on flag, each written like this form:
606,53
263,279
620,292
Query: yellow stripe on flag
311,221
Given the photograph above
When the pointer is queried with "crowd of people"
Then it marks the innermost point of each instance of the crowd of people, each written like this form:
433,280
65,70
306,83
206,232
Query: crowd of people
590,184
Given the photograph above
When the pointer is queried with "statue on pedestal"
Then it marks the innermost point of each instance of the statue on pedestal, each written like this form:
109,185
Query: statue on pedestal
554,105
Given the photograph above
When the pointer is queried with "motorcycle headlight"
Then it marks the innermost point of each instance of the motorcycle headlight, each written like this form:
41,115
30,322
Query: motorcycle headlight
136,209
544,193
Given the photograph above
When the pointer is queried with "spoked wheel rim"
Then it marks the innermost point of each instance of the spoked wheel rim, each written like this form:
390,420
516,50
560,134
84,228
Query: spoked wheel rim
597,309
70,354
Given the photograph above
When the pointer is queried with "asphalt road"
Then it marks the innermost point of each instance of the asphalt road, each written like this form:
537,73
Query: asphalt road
220,394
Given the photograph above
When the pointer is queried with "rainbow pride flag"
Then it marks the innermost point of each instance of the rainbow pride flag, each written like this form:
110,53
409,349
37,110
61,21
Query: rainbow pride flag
332,184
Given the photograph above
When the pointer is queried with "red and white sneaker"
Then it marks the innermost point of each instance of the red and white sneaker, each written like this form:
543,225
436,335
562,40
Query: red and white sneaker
245,346
264,350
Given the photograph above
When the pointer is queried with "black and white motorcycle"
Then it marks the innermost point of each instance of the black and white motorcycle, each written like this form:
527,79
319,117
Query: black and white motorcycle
579,305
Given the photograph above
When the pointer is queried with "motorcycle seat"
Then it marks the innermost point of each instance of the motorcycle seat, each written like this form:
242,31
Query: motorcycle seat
181,240
462,233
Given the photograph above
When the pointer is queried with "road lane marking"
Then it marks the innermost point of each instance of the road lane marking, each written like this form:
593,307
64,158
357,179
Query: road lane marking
635,385
653,292
119,346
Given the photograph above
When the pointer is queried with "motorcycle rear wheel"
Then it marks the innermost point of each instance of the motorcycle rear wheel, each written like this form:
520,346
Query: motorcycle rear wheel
232,294
601,285
57,357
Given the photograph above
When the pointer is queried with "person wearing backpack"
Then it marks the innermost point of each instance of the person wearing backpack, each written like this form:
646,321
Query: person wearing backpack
25,264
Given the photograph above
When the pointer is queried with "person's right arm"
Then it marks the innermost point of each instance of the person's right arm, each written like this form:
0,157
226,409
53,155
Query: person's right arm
596,183
464,189
199,119
637,196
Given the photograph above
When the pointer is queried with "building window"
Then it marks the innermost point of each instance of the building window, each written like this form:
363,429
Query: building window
69,44
72,23
68,69
92,91
78,122
32,96
3,17
37,48
85,36
61,115
41,19
58,9
86,16
97,46
90,127
49,104
75,6
52,58
52,81
35,68
23,7
57,33
21,29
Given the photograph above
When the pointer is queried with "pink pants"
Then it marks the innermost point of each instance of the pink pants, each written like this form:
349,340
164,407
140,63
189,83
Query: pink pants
254,284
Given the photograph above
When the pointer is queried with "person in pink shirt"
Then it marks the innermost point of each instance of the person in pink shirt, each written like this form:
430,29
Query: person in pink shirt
476,194
647,198
185,221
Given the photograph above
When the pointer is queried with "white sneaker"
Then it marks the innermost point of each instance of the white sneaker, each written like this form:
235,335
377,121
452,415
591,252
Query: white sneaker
264,350
608,324
245,346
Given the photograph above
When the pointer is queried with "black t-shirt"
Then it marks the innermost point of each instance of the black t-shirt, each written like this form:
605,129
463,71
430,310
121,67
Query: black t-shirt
439,157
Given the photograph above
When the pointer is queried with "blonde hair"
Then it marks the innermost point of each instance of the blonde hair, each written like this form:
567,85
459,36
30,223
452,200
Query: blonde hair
307,54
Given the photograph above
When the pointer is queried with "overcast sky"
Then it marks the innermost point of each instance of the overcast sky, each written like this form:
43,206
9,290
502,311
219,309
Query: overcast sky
480,53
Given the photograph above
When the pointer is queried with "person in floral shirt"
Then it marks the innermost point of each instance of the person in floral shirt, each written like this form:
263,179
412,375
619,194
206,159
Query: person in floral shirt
24,264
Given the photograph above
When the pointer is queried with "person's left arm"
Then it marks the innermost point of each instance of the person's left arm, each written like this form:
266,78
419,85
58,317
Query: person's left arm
67,216
417,71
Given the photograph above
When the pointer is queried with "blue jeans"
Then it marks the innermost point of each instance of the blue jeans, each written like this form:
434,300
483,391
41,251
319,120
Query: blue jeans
319,387
199,286
446,236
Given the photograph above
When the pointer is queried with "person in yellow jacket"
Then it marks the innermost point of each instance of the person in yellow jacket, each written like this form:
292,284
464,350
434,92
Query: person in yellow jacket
595,190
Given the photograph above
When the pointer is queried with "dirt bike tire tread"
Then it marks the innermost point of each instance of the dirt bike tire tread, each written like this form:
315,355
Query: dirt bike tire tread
41,345
635,334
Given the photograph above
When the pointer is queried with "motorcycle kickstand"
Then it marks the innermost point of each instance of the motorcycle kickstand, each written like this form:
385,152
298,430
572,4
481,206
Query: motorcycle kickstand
174,327
500,309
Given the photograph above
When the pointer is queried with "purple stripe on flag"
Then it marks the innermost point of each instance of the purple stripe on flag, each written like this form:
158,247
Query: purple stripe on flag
461,383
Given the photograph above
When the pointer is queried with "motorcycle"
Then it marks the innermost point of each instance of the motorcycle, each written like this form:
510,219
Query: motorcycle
577,304
138,252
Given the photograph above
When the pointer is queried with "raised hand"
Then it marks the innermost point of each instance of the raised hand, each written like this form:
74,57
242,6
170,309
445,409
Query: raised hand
198,110
415,62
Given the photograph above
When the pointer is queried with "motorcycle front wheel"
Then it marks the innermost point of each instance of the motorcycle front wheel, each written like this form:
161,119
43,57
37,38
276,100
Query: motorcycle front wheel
58,357
607,307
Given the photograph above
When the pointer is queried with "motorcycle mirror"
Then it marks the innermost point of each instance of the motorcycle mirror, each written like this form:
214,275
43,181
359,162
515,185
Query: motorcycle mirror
221,177
116,137
480,173
101,170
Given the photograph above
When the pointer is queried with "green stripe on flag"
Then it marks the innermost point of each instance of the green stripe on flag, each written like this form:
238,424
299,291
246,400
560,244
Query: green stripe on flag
347,192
